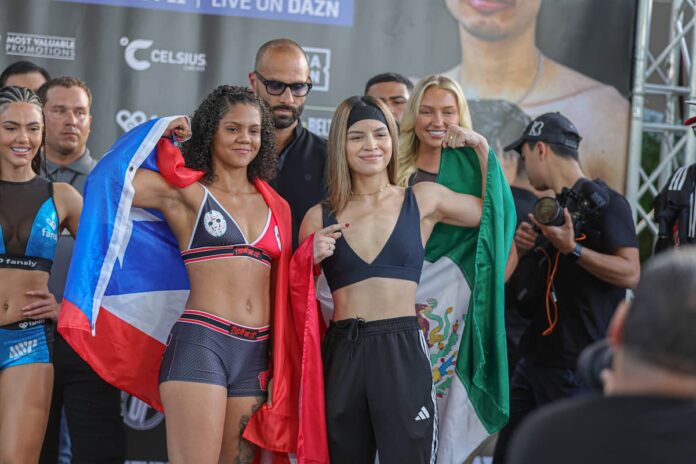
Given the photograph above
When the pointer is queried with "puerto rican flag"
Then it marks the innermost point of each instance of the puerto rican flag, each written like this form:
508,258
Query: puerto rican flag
127,284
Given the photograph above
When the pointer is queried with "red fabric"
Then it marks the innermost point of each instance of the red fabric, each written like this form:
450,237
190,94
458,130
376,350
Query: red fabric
274,427
312,442
172,166
110,356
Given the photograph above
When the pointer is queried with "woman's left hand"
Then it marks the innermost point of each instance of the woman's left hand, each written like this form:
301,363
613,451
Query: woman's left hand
179,128
460,137
45,306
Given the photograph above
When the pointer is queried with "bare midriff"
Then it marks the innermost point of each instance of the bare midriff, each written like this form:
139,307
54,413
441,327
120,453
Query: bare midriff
14,283
236,289
374,299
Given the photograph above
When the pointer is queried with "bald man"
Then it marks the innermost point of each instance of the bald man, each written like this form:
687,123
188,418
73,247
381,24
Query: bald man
281,79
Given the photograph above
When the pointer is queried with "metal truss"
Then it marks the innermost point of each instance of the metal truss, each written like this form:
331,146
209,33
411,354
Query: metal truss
665,80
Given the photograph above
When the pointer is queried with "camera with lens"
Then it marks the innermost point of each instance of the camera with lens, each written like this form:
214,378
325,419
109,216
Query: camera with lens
584,201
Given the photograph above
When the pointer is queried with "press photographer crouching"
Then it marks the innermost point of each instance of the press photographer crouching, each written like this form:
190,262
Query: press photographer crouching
586,256
648,411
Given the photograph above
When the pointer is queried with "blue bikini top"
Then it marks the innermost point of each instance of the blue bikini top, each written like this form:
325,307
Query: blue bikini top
400,258
29,225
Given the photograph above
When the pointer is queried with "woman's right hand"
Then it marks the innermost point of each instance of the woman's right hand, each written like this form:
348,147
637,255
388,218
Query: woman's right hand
325,242
180,128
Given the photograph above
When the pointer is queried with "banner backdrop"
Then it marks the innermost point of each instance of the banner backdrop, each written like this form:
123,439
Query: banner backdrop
514,59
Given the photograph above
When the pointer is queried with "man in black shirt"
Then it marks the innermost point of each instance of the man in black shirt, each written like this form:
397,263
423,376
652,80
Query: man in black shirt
648,413
580,277
281,79
92,406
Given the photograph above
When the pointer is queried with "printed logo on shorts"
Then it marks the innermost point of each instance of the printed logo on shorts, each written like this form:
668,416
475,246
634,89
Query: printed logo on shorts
264,377
423,414
23,348
215,223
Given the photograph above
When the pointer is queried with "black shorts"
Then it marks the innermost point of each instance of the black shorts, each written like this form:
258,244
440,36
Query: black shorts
205,348
379,392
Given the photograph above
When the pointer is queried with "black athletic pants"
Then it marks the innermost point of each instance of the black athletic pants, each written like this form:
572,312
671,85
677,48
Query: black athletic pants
92,410
379,392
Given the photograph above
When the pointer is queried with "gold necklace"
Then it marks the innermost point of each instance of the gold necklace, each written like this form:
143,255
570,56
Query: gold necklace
369,194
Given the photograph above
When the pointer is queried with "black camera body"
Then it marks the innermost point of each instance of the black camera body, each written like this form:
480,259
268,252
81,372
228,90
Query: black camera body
586,200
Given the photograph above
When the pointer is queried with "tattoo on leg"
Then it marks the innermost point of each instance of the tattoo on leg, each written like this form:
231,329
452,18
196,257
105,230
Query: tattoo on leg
246,451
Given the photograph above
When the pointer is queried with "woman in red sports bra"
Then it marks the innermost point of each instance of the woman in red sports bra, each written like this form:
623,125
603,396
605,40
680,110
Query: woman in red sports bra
214,372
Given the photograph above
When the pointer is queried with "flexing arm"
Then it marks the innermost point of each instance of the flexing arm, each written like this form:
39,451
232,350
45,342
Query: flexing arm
441,204
151,190
460,137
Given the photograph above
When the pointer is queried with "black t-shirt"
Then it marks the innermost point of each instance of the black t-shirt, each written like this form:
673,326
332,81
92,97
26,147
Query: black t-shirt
515,323
585,303
608,430
300,179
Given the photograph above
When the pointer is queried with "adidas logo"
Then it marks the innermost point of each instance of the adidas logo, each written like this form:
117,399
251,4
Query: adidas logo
23,348
423,414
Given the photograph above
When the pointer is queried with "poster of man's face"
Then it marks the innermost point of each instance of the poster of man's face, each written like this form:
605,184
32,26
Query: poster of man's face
507,73
514,59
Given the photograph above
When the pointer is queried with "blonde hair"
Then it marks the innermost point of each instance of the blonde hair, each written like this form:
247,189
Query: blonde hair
408,142
338,180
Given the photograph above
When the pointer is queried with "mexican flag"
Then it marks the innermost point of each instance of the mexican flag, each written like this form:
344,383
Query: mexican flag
460,307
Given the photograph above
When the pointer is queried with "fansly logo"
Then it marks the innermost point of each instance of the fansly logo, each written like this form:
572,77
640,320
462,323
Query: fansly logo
140,55
127,120
137,414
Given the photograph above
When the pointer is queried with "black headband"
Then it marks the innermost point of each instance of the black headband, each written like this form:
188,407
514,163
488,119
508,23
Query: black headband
364,111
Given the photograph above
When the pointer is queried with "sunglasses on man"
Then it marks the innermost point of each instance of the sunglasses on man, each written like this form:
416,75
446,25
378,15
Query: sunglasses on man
298,89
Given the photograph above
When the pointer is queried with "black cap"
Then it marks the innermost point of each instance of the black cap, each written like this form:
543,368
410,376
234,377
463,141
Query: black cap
550,128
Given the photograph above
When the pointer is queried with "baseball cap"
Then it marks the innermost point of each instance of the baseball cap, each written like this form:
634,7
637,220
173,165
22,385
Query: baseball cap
550,128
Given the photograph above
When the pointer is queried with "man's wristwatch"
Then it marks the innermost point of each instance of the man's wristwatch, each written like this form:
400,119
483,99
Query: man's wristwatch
575,254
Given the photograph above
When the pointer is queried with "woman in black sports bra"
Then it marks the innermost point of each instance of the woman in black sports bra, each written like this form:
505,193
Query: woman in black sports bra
369,238
33,211
214,374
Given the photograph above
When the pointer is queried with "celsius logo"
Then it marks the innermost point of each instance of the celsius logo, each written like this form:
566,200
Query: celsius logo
137,414
140,55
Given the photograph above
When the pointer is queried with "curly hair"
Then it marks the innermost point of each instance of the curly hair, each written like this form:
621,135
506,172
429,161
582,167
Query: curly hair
15,94
197,150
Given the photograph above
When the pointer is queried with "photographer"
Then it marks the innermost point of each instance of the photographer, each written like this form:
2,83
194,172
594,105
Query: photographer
586,256
648,413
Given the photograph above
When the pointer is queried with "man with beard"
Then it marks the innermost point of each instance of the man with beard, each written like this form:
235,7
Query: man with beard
281,80
92,406
501,66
